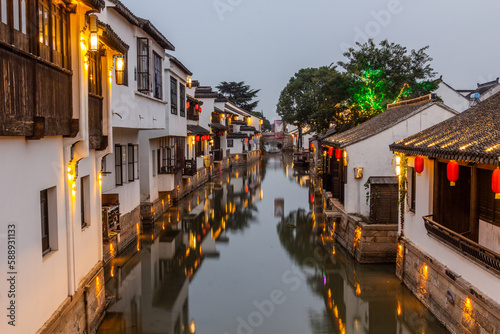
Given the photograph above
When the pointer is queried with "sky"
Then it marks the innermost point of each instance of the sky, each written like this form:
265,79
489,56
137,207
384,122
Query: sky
264,42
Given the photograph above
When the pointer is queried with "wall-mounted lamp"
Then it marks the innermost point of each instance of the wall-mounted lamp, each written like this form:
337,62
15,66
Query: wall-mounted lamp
94,39
398,165
119,70
189,82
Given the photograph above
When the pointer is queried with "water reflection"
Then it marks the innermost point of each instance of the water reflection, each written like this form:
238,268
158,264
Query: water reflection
214,260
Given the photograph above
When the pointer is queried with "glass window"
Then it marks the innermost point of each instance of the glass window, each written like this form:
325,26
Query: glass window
142,64
16,14
182,93
173,95
24,17
118,165
3,10
44,205
130,162
412,185
158,78
85,201
95,75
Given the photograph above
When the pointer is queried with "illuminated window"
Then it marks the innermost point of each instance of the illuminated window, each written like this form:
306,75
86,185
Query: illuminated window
95,74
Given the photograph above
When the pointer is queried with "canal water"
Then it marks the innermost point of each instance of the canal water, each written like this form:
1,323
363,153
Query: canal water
246,254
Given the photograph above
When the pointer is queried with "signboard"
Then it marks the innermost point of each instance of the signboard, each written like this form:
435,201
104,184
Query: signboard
279,130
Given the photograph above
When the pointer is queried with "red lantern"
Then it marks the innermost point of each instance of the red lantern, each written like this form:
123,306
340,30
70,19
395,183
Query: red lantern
246,140
330,151
197,138
187,105
419,165
495,183
312,198
246,189
312,146
338,154
199,109
452,170
196,107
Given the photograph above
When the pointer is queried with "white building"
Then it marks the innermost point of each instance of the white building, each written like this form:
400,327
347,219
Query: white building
55,127
448,255
362,176
451,97
138,104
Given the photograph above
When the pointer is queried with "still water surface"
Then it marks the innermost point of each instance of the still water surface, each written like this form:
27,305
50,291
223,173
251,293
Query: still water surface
245,254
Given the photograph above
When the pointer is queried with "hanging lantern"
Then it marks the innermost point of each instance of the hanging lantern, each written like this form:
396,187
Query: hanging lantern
452,170
338,154
120,70
199,110
419,165
196,107
495,183
187,105
330,151
94,38
312,198
246,140
312,146
197,138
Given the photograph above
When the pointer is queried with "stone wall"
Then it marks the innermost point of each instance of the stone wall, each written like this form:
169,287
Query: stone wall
462,308
367,243
244,158
83,312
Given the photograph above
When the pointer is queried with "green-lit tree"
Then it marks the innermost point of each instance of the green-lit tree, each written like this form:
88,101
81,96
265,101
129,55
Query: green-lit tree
383,74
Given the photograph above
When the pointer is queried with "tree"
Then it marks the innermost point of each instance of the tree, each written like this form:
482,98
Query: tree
380,75
239,94
314,96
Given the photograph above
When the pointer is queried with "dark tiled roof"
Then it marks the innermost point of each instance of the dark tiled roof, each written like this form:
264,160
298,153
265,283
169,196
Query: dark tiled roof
218,127
111,39
484,87
205,92
196,130
247,128
219,110
221,98
472,136
145,25
179,64
97,4
232,135
381,122
192,99
331,131
238,122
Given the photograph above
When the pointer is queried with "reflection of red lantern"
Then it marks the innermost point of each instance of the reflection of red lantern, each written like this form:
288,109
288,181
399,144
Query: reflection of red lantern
495,183
452,172
197,138
198,238
338,154
208,225
419,165
246,189
187,105
312,198
330,151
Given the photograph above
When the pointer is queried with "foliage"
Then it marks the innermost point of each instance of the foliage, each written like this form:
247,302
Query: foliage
380,75
239,94
314,96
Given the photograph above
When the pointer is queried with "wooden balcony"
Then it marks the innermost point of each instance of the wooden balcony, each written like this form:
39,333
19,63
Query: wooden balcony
469,248
35,96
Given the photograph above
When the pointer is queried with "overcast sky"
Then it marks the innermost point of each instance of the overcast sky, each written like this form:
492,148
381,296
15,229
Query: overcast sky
264,42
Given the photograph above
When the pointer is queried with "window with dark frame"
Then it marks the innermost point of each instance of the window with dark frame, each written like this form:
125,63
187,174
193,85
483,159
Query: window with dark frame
173,95
95,74
143,65
229,143
130,163
489,207
44,205
158,91
85,201
125,69
118,165
199,148
182,93
413,188
153,160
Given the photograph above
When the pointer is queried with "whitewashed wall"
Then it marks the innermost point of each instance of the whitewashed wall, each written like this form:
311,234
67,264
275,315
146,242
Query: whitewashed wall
374,156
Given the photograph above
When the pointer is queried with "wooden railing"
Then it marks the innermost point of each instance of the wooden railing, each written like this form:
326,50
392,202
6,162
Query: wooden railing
469,248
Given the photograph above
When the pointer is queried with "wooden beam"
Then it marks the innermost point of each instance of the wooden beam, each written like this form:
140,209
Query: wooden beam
474,205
